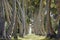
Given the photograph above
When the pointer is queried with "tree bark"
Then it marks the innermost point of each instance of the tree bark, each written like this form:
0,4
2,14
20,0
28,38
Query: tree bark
2,20
58,10
12,24
50,31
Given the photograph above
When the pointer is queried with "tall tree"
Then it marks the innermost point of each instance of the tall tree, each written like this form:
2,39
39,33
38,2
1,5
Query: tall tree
50,31
22,10
13,21
2,19
58,10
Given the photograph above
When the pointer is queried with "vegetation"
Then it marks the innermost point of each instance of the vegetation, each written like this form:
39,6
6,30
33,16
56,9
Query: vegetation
30,19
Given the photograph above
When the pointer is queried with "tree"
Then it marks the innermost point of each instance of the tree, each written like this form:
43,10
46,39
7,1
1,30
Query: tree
58,10
13,21
2,19
50,31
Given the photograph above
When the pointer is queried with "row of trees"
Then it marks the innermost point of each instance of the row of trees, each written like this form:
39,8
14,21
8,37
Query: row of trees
16,15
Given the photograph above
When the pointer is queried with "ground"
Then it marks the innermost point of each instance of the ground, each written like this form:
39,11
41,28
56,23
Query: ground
33,37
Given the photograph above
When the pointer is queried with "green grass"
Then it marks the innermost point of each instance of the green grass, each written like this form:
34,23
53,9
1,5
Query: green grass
33,37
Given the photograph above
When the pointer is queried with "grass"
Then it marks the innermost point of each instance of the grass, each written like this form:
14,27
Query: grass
33,37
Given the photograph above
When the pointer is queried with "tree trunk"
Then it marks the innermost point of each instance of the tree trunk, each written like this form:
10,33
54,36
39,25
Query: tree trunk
15,30
58,10
50,31
39,26
2,20
12,24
